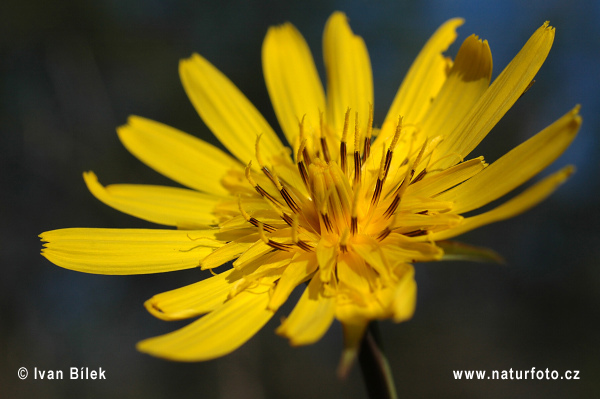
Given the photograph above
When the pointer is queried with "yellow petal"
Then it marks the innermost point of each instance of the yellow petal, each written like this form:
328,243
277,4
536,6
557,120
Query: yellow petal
405,296
326,256
302,266
515,167
177,155
442,181
352,272
256,250
501,95
226,111
349,78
370,250
468,79
292,80
192,300
170,206
311,317
216,334
522,202
423,80
127,251
404,249
229,251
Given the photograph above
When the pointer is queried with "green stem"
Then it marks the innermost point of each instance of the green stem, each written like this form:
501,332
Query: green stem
375,367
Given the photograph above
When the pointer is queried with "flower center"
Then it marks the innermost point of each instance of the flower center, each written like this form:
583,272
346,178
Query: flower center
337,194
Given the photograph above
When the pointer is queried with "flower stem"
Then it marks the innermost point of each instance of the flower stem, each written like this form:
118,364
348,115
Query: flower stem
375,367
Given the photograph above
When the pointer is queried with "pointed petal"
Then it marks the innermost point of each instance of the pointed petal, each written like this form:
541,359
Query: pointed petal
423,80
442,181
191,300
500,97
515,167
311,317
177,155
349,77
170,206
292,80
522,202
229,251
468,79
226,111
302,266
216,334
127,251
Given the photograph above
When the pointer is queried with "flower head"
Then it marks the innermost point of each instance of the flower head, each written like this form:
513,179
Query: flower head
344,207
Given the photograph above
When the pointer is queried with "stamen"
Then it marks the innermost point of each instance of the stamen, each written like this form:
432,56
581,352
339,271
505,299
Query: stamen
285,193
343,160
325,210
253,220
301,244
269,242
357,160
390,151
367,141
344,240
419,176
384,233
275,178
249,175
323,139
257,151
415,233
393,206
258,188
261,233
380,179
304,151
301,165
354,215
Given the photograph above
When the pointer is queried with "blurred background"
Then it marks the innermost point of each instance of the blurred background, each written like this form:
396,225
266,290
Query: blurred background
71,71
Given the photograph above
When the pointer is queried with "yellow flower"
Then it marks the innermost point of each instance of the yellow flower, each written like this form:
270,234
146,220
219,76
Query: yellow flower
346,208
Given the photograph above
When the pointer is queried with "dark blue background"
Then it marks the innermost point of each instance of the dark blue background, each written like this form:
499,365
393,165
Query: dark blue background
71,71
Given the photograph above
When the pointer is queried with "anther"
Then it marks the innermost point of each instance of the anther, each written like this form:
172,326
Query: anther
380,179
253,220
301,165
384,233
258,188
301,244
354,213
269,242
323,140
344,240
367,140
419,176
285,193
357,160
343,160
304,151
390,151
